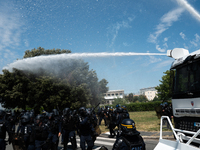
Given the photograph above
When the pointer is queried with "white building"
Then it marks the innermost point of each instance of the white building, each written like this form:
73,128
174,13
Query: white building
150,93
113,94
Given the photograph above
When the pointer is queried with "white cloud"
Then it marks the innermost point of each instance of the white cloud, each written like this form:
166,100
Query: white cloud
189,8
196,40
114,29
182,35
165,45
10,27
165,22
185,46
165,39
160,49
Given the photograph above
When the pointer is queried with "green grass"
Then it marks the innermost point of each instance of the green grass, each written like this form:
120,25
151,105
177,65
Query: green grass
144,120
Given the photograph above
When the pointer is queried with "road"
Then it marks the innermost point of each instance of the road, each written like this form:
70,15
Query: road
104,140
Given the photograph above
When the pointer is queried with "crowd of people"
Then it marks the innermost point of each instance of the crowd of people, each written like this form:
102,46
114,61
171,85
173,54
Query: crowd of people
28,131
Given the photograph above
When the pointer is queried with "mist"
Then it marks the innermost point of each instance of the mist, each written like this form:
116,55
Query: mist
56,63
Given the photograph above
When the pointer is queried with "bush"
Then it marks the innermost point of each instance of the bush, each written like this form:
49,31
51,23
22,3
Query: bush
141,106
148,106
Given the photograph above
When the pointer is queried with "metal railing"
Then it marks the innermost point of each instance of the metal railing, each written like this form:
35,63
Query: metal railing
179,138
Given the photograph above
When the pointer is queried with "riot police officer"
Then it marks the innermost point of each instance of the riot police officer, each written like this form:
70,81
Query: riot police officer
129,137
68,128
93,120
112,122
55,131
85,129
42,136
26,132
3,130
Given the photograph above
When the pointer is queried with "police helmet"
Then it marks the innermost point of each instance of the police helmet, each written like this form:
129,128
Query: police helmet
55,111
74,112
119,110
51,116
118,105
82,111
32,115
128,127
66,111
25,118
110,109
165,104
39,117
124,107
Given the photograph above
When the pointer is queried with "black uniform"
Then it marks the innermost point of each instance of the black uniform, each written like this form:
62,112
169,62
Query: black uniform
26,131
130,138
85,130
68,128
3,130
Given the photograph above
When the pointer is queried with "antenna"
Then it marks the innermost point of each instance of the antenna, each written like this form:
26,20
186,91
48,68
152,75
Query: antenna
177,53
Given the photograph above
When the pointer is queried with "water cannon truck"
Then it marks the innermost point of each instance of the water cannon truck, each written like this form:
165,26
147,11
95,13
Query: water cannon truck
185,71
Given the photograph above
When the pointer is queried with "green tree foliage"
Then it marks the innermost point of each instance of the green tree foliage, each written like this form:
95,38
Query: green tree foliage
129,97
164,89
41,51
120,101
73,86
142,98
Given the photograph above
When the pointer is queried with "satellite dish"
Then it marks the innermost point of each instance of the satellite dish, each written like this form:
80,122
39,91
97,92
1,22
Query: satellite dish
177,53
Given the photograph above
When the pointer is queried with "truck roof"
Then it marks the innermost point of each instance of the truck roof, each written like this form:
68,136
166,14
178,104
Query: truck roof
181,60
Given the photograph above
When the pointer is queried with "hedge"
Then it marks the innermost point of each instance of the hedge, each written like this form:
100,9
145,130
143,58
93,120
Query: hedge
142,106
148,106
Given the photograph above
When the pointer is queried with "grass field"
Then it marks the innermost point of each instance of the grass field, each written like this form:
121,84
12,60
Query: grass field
144,120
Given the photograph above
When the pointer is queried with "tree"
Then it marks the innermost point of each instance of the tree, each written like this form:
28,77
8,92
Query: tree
164,89
130,97
41,51
120,101
135,98
142,98
72,86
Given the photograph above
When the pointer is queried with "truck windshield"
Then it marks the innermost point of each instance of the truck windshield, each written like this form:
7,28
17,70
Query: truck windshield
187,81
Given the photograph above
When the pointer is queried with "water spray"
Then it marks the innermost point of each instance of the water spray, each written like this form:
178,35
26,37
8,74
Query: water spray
56,61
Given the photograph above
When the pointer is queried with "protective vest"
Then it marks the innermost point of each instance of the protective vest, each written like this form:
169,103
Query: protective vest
53,126
68,124
85,127
41,132
137,145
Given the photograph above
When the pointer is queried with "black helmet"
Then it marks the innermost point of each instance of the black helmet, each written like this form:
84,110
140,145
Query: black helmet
74,112
51,115
82,111
119,110
55,112
32,115
66,111
39,117
25,118
124,107
118,105
110,109
128,127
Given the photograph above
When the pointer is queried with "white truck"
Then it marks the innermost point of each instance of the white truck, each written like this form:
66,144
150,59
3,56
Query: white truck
185,101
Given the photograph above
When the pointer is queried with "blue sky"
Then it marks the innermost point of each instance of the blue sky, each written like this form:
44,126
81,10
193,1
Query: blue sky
95,26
